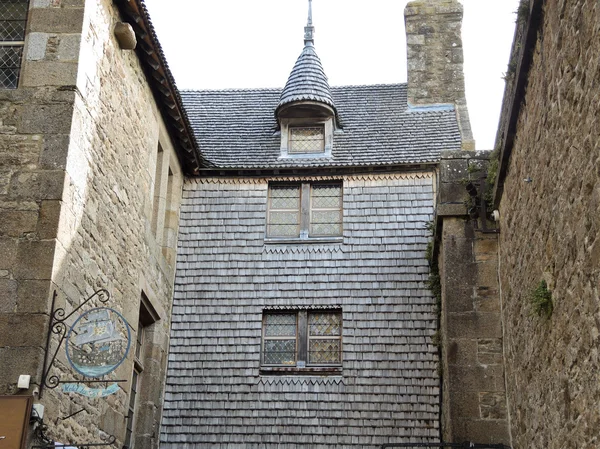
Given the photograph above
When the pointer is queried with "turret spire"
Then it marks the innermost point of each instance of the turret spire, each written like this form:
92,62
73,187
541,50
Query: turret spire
309,29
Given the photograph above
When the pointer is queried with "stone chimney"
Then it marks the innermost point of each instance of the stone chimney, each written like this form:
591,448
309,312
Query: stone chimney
435,59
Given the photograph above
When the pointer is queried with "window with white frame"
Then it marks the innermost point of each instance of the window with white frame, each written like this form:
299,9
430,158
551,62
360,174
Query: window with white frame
13,21
302,338
305,210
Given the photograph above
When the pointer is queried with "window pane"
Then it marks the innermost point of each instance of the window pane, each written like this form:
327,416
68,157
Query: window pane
307,140
326,196
324,351
280,352
280,325
324,324
13,15
10,65
326,210
285,197
284,211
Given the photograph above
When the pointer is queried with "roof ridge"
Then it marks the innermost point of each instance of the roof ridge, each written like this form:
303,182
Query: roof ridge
235,89
370,85
279,89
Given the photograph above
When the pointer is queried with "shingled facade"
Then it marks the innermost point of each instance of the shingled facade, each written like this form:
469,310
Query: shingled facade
264,261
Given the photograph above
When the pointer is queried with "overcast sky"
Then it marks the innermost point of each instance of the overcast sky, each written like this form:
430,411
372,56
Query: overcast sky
222,44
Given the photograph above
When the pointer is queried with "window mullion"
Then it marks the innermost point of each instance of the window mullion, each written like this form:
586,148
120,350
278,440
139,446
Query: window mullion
302,339
305,214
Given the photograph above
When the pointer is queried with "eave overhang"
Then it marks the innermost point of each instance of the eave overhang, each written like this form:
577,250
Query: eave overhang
163,86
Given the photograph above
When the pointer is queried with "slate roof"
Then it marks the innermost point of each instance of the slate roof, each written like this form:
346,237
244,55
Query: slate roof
238,129
308,81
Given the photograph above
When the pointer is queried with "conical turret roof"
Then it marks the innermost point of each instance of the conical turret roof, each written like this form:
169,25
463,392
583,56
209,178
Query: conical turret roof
308,81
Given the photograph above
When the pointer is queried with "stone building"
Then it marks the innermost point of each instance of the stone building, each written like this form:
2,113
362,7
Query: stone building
520,296
94,146
302,316
548,192
301,313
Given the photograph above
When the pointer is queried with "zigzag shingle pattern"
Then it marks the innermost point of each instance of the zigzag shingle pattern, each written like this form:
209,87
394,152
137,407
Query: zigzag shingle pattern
238,129
307,80
388,391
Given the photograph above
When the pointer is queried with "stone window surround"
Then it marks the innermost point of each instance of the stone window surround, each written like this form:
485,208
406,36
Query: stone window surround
147,317
167,181
305,207
287,123
301,367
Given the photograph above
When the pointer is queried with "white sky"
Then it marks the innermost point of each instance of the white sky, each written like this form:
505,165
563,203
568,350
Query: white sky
221,44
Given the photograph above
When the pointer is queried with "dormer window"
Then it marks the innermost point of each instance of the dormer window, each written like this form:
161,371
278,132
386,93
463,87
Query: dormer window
307,140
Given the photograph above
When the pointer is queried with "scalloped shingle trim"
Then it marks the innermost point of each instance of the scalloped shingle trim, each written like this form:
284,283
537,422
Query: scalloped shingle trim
263,180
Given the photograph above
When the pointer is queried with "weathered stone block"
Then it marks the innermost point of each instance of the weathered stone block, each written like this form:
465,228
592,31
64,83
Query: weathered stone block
17,223
56,20
476,378
454,170
451,192
41,119
489,351
33,297
8,252
8,295
68,48
44,185
462,351
17,361
473,325
47,225
49,73
54,151
30,329
492,405
34,259
36,49
482,431
464,404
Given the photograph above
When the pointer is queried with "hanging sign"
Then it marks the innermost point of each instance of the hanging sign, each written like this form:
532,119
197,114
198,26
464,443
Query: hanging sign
97,343
84,390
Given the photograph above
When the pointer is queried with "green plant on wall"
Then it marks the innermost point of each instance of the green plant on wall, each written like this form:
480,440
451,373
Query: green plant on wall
541,300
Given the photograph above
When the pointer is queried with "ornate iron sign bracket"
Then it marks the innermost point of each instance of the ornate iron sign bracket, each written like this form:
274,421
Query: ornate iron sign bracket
111,440
58,326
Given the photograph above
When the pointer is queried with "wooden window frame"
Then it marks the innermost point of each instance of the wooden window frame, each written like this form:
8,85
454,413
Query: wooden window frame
305,211
302,362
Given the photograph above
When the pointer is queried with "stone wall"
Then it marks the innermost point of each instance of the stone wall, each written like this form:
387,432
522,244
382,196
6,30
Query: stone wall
550,231
79,173
474,400
35,122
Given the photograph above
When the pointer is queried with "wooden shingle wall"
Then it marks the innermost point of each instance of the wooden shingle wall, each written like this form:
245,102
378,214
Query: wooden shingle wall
389,387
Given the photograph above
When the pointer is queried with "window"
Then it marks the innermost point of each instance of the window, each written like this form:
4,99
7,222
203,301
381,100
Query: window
305,210
302,339
147,317
304,140
138,367
13,19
